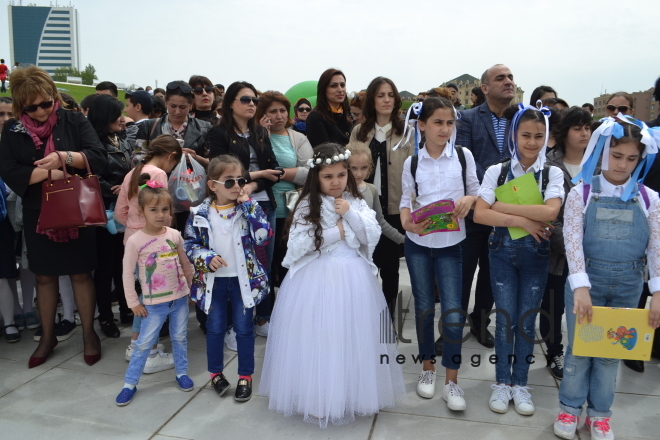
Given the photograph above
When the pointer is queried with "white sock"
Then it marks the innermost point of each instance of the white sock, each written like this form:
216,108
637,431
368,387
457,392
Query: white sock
7,306
66,293
179,376
133,343
153,352
129,386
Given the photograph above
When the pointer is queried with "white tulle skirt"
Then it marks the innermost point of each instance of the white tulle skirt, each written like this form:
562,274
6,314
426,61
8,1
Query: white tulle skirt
329,343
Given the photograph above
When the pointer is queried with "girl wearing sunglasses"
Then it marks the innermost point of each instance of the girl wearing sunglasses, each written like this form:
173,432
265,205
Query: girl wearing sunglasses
30,147
239,134
619,102
220,240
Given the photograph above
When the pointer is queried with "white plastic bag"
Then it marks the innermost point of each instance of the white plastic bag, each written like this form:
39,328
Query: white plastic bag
187,184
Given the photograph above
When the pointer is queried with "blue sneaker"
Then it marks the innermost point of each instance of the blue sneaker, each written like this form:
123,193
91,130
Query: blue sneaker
185,383
32,321
125,397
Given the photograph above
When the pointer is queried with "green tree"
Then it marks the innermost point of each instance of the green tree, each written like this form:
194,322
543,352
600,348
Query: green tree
61,73
89,75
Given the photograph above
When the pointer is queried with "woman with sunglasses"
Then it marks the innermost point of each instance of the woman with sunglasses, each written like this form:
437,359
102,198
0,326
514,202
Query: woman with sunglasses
380,133
619,102
302,109
240,135
204,103
32,145
191,133
292,151
330,121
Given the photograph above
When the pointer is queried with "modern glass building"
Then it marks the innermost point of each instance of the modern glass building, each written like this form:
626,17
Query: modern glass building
44,36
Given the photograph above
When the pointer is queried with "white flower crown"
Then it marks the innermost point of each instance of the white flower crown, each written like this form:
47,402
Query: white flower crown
318,160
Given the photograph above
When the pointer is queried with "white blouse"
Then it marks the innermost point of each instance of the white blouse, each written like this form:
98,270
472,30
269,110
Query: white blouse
438,179
574,212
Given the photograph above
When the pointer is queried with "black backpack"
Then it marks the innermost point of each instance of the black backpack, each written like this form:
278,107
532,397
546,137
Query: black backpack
506,166
461,158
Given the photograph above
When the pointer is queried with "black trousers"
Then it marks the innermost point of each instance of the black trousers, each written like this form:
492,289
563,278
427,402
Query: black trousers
475,251
277,272
110,253
553,305
386,258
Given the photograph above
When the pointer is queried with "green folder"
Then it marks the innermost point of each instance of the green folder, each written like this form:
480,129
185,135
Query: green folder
523,190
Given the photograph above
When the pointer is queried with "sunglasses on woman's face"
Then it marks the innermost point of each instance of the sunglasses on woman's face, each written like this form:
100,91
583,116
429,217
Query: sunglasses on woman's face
33,108
245,100
620,108
199,90
184,89
229,183
304,109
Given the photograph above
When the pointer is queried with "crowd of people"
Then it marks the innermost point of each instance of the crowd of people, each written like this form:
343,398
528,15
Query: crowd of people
303,215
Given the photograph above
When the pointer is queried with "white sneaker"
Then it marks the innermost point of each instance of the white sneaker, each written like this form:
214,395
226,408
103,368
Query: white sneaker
566,425
522,400
426,384
161,362
230,340
499,399
600,428
262,330
453,395
129,351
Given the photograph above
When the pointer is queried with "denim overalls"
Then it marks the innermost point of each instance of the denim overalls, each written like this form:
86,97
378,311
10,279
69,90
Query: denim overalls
518,273
616,235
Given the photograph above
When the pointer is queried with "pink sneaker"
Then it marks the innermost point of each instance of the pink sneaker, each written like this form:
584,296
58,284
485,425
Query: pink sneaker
566,425
600,428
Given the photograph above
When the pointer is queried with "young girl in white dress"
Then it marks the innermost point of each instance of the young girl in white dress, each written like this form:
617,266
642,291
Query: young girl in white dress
331,350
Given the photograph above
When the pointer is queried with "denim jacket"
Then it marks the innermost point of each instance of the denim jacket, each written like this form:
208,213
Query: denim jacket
249,228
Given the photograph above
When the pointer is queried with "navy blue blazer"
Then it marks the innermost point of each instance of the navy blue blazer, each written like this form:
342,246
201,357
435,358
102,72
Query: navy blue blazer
475,131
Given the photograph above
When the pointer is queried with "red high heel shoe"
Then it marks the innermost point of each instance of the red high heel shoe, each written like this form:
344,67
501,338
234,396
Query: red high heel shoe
35,361
91,359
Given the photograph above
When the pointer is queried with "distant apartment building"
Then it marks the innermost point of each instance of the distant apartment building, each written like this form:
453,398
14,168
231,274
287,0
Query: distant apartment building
646,109
44,36
467,82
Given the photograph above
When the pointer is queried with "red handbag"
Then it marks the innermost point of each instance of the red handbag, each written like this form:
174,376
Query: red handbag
72,202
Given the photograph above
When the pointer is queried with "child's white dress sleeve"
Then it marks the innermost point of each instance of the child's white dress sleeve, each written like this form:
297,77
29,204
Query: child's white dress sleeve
573,238
653,250
363,224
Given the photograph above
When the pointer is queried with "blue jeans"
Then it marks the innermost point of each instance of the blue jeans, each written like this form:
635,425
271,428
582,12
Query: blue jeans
518,273
228,289
427,265
594,379
177,311
265,307
137,321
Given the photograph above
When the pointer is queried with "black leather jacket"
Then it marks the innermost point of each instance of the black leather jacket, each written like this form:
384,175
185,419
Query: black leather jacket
119,164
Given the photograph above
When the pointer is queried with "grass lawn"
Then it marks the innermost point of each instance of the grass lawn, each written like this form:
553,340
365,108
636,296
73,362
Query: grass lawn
78,92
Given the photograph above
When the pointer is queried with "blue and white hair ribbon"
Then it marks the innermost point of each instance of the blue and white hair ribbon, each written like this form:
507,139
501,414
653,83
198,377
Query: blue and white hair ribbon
599,147
513,132
410,127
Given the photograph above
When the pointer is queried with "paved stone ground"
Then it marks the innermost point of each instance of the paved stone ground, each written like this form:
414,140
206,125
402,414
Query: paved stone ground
66,399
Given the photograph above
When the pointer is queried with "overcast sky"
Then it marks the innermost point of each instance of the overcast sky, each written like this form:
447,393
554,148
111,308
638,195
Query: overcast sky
581,48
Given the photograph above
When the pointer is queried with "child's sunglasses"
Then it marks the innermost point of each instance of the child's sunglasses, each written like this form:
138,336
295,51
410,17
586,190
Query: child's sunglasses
229,183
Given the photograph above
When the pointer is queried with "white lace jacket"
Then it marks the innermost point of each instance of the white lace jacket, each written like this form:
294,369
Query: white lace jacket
574,214
361,232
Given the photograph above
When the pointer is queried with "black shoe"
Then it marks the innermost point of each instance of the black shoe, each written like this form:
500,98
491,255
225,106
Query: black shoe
13,337
110,329
243,390
487,340
634,365
438,346
556,365
165,330
126,318
220,384
64,330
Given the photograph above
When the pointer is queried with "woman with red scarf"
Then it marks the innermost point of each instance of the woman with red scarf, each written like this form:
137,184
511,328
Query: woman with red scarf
30,147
